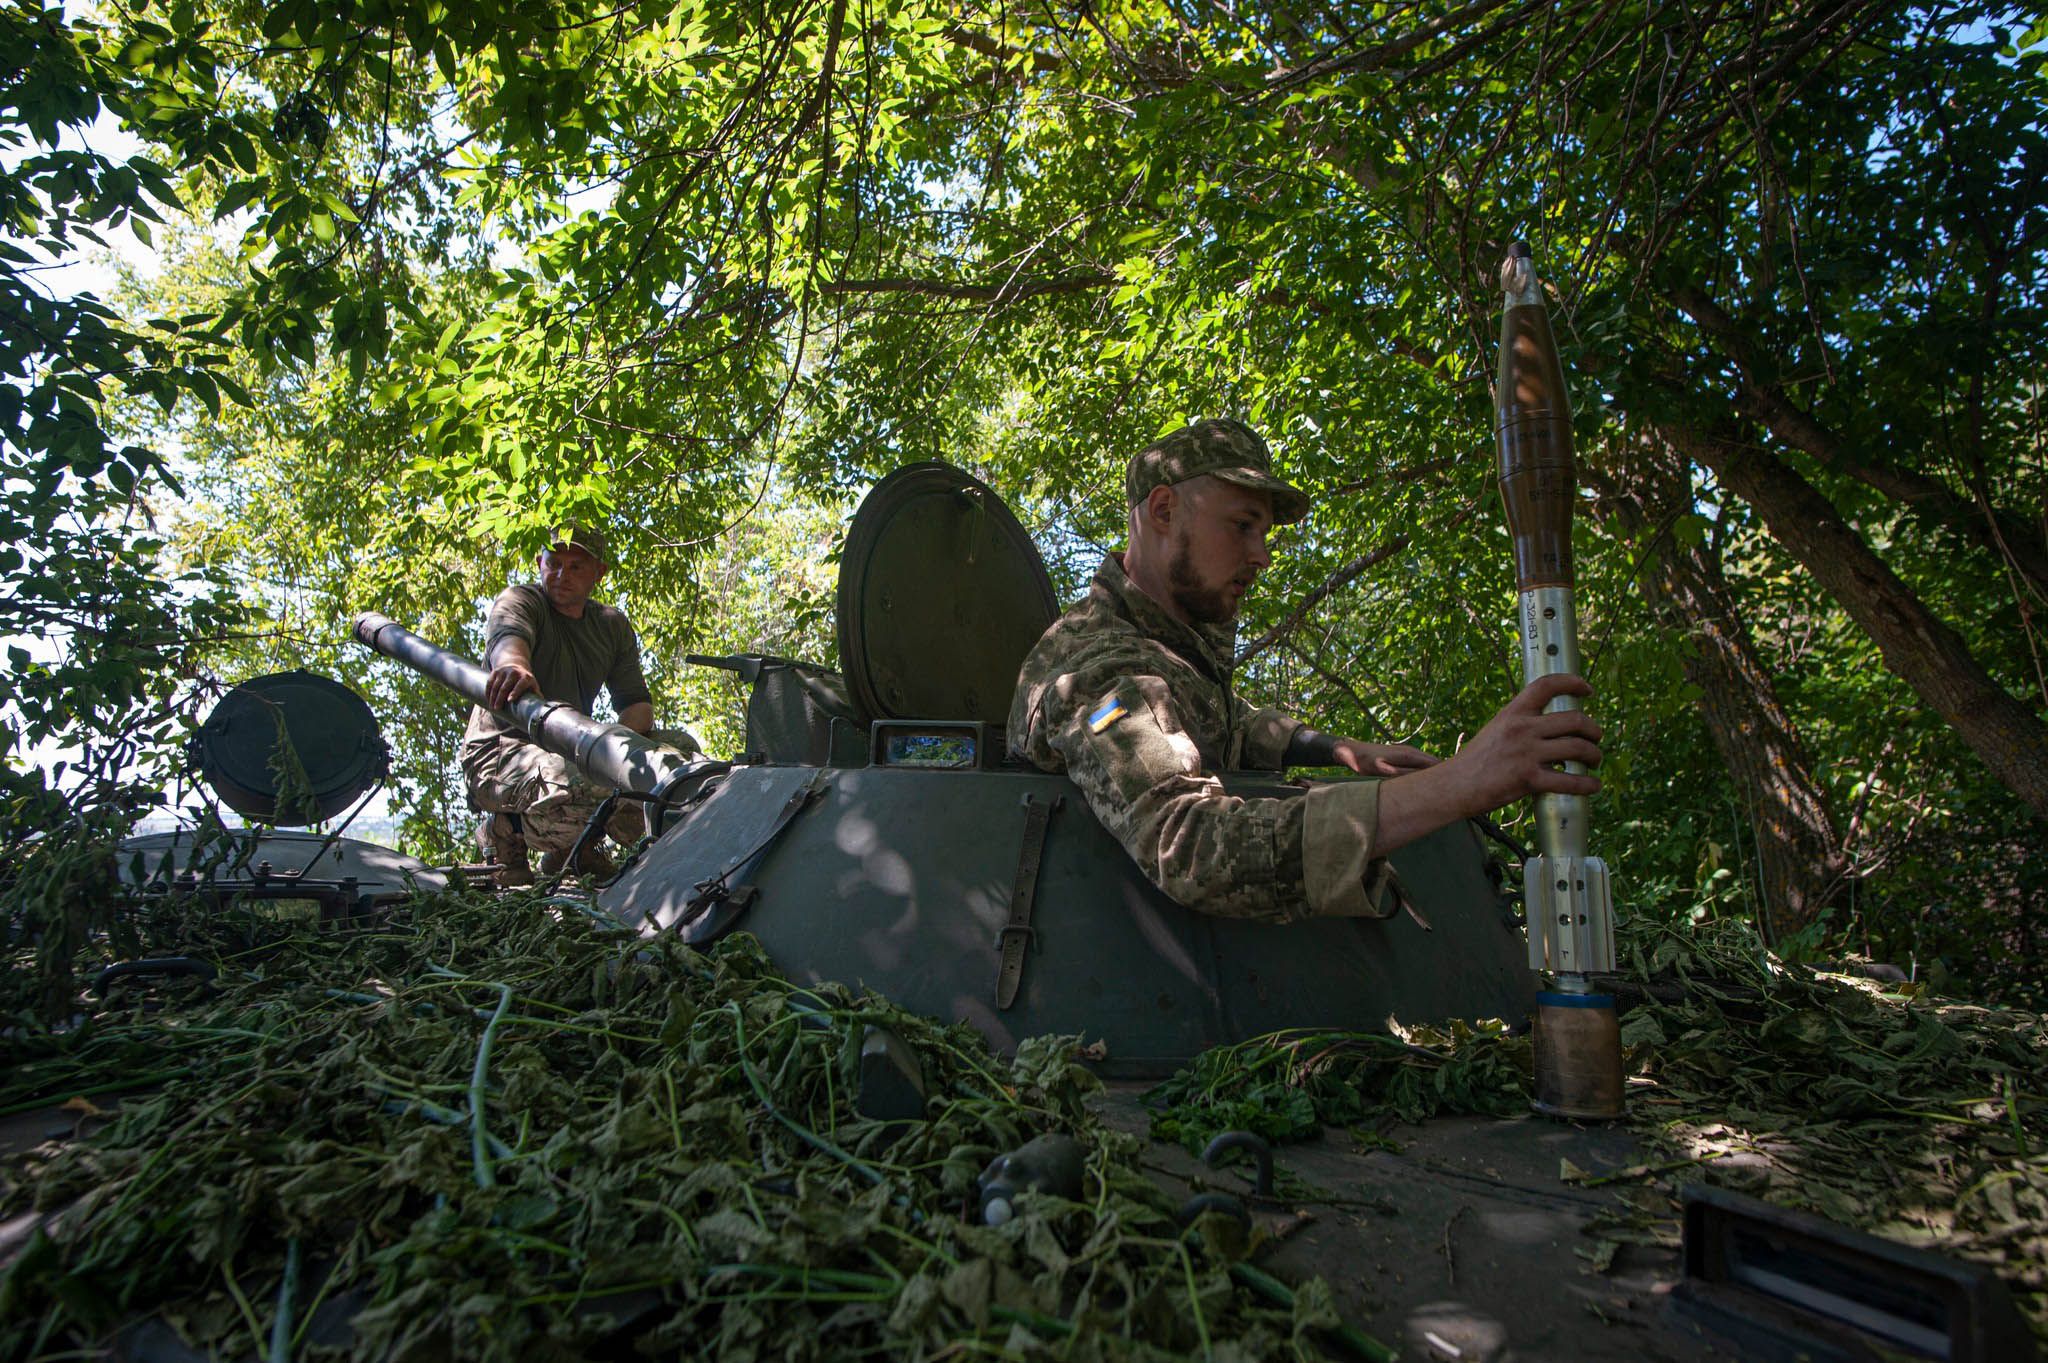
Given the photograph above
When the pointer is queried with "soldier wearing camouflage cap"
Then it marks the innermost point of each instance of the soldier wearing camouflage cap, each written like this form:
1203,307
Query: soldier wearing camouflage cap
549,637
1130,694
1216,448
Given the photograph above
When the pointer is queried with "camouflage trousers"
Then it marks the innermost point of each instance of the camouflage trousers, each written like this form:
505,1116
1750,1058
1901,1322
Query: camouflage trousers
508,774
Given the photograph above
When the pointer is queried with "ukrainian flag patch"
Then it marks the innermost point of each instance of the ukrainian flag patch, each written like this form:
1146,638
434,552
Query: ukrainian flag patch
1106,714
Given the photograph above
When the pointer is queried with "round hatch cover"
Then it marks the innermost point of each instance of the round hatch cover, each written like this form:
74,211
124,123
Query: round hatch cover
941,594
334,753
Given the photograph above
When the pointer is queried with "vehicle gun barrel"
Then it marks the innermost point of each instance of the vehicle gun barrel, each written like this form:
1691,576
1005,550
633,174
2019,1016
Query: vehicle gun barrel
610,753
1569,904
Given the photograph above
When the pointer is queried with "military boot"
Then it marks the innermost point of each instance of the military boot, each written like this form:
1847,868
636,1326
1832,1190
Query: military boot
594,861
502,842
628,823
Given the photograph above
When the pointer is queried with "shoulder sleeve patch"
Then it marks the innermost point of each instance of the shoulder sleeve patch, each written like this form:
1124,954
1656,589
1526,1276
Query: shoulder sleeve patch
1109,712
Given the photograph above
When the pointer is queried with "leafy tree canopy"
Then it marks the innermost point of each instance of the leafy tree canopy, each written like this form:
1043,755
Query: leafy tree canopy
700,269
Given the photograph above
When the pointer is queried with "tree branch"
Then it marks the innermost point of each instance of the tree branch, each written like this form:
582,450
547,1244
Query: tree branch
1032,60
1343,577
1761,399
1009,291
1380,55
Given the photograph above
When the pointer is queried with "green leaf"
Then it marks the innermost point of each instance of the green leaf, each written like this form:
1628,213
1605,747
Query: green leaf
202,385
236,197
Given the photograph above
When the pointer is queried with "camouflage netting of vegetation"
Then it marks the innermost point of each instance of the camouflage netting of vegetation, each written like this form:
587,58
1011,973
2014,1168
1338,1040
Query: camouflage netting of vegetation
666,1160
669,1157
1881,1106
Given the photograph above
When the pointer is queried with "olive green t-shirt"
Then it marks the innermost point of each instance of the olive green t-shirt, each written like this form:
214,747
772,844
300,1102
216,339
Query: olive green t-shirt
572,658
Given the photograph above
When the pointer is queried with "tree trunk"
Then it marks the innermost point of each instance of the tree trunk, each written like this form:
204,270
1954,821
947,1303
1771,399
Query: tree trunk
1758,397
1802,862
1916,644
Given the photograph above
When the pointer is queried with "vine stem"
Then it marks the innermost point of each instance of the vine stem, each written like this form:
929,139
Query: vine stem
479,1139
802,1133
1187,1268
287,1295
1280,1294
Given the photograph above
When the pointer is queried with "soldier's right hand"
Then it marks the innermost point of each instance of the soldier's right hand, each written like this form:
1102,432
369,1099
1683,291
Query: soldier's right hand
1517,754
1520,750
507,683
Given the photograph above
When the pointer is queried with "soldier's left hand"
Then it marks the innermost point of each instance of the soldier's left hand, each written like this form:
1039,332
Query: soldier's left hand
1381,759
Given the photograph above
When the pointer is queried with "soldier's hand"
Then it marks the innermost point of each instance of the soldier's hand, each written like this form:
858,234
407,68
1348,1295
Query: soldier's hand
507,683
1380,759
1516,754
1520,750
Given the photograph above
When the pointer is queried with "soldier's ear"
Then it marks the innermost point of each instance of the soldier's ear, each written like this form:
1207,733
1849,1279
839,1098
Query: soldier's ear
1160,505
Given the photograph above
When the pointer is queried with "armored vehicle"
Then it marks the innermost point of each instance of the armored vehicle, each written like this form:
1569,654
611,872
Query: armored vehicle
876,831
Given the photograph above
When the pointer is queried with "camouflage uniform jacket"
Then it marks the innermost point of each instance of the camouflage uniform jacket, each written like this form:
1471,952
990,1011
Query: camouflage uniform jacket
1138,709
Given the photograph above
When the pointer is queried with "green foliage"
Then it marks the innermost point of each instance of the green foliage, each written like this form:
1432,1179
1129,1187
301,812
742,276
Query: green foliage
78,567
492,1127
96,639
705,271
453,273
1885,1107
1290,1085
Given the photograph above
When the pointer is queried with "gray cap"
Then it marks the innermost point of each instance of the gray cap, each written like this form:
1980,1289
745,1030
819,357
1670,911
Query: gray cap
1221,448
581,535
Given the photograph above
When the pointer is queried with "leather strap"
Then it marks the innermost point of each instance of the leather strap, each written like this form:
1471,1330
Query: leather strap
716,898
1017,932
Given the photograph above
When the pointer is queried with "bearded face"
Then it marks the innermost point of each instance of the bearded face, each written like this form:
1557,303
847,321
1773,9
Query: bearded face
1205,603
1208,547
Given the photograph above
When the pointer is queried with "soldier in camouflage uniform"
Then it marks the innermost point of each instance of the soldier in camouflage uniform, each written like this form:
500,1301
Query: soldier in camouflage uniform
1129,693
550,638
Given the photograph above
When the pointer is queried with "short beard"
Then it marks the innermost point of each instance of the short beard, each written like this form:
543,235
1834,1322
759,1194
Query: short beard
1203,605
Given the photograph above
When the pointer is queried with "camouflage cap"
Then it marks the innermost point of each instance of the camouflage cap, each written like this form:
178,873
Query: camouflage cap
1221,448
581,535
